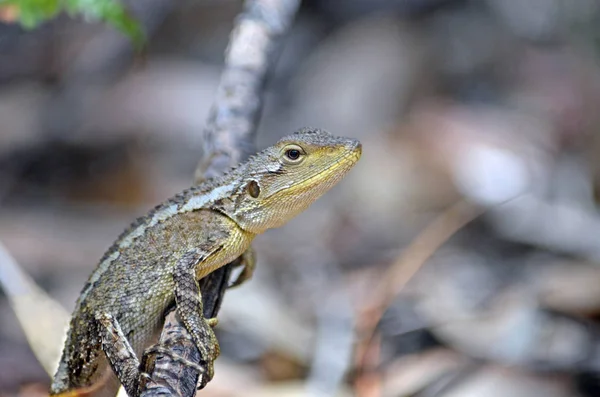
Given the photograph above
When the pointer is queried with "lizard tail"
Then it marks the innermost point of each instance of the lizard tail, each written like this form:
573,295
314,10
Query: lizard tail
75,393
92,391
106,385
35,311
96,390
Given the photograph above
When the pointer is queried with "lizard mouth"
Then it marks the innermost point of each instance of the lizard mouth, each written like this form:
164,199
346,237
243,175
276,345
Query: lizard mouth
345,162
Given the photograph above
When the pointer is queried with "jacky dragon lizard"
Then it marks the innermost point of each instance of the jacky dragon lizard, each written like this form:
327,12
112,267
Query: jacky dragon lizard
157,262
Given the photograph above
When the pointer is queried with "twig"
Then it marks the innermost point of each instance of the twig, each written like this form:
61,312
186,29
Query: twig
229,137
43,320
401,272
252,51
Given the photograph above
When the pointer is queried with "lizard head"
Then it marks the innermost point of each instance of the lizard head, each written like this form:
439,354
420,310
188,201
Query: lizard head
284,179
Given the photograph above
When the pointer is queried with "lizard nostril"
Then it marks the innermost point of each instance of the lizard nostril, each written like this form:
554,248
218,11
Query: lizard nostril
355,146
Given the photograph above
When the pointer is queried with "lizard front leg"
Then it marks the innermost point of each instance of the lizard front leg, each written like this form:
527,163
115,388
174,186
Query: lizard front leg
189,308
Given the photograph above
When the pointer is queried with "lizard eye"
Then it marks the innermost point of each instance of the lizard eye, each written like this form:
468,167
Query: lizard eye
293,154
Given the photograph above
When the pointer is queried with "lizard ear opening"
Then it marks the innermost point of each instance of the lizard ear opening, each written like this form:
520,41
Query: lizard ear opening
253,189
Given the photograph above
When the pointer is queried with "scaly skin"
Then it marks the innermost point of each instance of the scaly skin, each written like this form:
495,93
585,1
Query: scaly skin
156,263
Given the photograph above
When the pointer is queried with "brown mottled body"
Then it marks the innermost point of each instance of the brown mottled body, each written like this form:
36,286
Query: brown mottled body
143,273
158,261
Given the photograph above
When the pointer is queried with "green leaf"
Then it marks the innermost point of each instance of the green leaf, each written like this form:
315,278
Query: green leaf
32,13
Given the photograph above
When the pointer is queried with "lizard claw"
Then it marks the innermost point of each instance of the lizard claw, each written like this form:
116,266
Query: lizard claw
207,375
209,351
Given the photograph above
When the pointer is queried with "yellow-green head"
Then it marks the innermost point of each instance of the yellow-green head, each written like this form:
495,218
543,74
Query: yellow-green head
284,179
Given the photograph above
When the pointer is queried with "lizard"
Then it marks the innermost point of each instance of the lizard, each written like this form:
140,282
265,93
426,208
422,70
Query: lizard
156,263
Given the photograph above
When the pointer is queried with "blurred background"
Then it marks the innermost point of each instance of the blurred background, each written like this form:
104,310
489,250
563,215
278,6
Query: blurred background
463,107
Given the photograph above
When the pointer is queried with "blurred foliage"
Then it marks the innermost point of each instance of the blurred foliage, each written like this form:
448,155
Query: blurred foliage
31,13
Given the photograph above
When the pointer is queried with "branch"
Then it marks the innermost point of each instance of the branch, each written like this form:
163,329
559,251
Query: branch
43,319
229,137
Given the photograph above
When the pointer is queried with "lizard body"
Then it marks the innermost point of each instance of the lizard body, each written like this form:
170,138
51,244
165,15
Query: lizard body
157,262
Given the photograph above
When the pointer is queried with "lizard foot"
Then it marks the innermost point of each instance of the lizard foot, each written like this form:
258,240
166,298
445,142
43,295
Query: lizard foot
209,349
165,351
164,369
